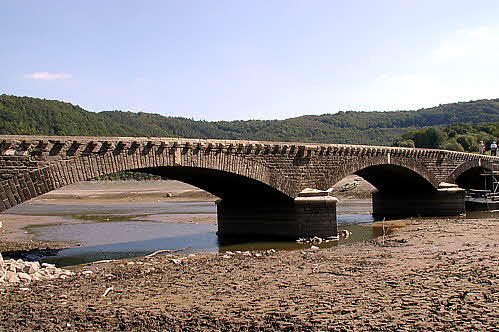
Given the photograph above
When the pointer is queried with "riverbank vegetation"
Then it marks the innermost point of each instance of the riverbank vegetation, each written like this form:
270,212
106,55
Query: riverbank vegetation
456,137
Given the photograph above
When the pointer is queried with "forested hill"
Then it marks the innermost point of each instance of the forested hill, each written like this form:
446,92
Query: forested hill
25,115
33,116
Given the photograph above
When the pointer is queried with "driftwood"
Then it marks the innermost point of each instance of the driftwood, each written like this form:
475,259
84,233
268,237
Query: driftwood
167,250
104,261
107,291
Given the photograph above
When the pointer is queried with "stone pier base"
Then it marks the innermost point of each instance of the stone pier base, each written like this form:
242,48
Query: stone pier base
305,217
441,203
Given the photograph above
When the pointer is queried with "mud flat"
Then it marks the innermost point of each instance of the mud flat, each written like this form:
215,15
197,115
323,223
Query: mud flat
440,274
15,234
126,191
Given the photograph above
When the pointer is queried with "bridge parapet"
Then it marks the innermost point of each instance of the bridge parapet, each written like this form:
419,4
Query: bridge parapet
44,147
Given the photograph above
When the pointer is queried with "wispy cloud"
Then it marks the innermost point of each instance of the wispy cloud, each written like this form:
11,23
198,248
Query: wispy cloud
462,67
46,76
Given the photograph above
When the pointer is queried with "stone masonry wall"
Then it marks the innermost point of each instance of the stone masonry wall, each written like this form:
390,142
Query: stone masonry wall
33,165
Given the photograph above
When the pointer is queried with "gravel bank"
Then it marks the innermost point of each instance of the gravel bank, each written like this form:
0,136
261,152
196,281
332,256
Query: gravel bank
437,275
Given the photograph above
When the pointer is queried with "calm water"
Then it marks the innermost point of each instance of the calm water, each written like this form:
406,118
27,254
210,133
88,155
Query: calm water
114,231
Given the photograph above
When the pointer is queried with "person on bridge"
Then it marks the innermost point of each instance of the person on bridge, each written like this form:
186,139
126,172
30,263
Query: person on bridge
493,148
481,147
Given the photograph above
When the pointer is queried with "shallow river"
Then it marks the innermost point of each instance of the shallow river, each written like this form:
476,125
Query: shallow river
113,231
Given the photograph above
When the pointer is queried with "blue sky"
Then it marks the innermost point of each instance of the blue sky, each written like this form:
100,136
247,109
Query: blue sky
255,59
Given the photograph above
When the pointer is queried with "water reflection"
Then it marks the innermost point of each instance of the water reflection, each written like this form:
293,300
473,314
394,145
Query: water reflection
116,231
126,239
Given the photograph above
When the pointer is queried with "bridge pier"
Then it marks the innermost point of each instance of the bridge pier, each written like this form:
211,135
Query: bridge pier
443,202
304,217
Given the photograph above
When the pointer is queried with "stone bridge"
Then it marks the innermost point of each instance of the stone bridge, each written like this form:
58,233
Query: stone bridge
252,178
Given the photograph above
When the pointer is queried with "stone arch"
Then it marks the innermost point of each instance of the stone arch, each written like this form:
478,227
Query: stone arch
458,171
375,170
469,175
63,172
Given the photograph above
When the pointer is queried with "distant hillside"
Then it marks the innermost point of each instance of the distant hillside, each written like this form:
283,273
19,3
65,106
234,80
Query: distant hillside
25,115
33,116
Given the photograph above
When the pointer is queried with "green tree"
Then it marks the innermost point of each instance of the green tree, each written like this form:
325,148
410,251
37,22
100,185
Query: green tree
432,138
468,142
453,146
408,143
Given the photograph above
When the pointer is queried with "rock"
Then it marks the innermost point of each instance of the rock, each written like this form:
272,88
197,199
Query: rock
88,272
33,269
67,272
12,277
345,233
47,265
191,255
24,276
314,248
316,240
1,259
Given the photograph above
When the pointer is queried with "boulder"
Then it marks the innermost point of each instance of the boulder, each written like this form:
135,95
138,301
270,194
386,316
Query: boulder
24,276
11,277
33,269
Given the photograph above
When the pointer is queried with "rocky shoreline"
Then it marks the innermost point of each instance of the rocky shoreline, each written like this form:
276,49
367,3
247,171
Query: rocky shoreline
18,271
440,274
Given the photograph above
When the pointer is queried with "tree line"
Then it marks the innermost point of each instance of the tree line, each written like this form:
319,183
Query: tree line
455,137
34,116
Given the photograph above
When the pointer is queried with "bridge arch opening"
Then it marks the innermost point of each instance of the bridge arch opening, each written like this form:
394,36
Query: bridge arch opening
404,191
225,185
388,179
474,178
395,179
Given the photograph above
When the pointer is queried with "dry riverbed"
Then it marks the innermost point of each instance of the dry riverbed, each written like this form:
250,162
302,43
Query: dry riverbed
431,275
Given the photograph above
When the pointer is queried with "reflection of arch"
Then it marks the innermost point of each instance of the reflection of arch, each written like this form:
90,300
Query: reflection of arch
397,174
227,176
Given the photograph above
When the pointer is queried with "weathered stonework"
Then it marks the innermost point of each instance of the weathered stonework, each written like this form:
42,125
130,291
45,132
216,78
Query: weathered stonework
305,217
31,166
